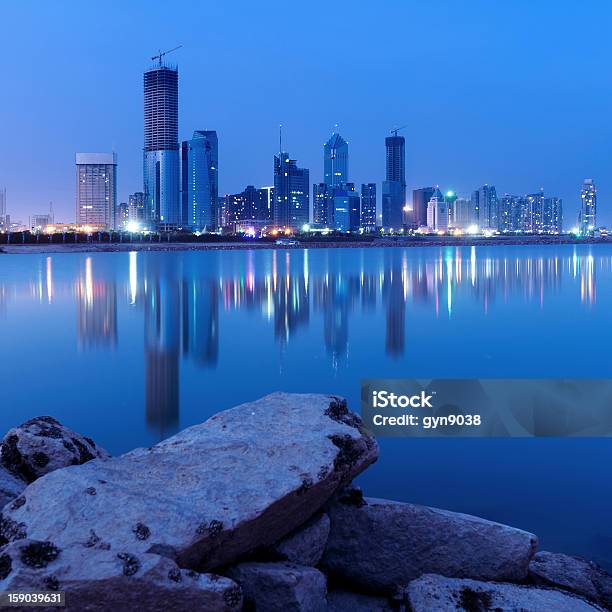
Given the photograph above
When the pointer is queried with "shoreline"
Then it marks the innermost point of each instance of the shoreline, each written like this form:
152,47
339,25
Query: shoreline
101,247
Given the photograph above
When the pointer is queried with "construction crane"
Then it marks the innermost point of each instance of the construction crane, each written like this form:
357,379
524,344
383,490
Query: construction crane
161,54
394,131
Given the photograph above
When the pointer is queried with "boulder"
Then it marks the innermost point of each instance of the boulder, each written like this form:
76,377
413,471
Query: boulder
573,574
281,587
42,445
305,546
11,486
346,601
432,593
242,480
383,545
98,579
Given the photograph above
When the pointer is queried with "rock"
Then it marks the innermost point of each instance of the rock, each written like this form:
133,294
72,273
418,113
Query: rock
432,593
572,574
242,480
347,601
95,579
42,445
305,546
383,545
11,486
281,587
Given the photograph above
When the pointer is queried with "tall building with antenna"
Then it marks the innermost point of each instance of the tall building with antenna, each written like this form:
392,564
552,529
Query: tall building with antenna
161,145
394,186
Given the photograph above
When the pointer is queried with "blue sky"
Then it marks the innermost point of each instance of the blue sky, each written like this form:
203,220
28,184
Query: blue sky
512,93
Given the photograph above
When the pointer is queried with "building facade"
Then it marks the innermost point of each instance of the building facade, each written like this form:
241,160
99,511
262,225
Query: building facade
368,206
588,207
200,181
394,186
252,204
347,208
161,148
136,208
486,207
420,200
335,161
463,215
96,189
438,212
291,193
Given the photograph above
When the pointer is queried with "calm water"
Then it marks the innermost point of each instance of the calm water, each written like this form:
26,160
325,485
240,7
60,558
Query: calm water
129,348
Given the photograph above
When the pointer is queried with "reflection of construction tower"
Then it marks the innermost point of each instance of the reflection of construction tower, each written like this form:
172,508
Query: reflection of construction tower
201,320
96,310
393,290
162,348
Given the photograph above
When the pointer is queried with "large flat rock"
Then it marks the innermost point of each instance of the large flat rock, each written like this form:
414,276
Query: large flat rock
572,574
383,545
281,587
98,580
42,445
243,479
432,593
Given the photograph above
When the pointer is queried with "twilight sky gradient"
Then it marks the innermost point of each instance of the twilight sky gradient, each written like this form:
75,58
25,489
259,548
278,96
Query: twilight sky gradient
511,93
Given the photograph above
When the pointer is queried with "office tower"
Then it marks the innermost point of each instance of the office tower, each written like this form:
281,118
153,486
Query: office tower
199,181
161,147
346,207
368,206
335,161
122,216
514,214
267,199
96,189
394,187
486,206
136,208
437,212
291,193
420,200
552,217
252,204
463,214
588,207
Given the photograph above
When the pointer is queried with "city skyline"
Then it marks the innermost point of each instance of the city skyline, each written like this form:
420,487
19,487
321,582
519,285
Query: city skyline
443,139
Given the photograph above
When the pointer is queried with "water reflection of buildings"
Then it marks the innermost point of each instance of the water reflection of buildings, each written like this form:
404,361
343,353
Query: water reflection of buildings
96,307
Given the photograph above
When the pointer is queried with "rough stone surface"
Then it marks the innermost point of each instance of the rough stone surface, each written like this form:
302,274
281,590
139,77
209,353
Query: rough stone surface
347,601
244,479
281,587
383,545
42,445
11,486
305,546
572,574
432,593
100,580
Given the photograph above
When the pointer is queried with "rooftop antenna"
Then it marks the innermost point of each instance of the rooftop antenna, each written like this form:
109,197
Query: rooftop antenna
394,131
161,54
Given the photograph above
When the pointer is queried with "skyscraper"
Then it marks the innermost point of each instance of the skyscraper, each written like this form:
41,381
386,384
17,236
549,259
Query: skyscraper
96,189
394,187
3,222
486,207
250,205
588,206
420,200
199,181
161,148
321,199
346,207
463,215
335,160
368,206
136,210
291,193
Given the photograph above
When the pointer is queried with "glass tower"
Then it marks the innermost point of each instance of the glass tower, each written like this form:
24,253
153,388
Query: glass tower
335,161
394,187
588,207
368,205
199,181
161,148
291,193
96,189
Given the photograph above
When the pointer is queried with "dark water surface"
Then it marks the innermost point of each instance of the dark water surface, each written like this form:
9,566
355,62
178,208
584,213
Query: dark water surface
129,348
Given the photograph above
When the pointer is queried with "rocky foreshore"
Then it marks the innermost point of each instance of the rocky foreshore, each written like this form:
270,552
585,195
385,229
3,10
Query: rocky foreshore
255,510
